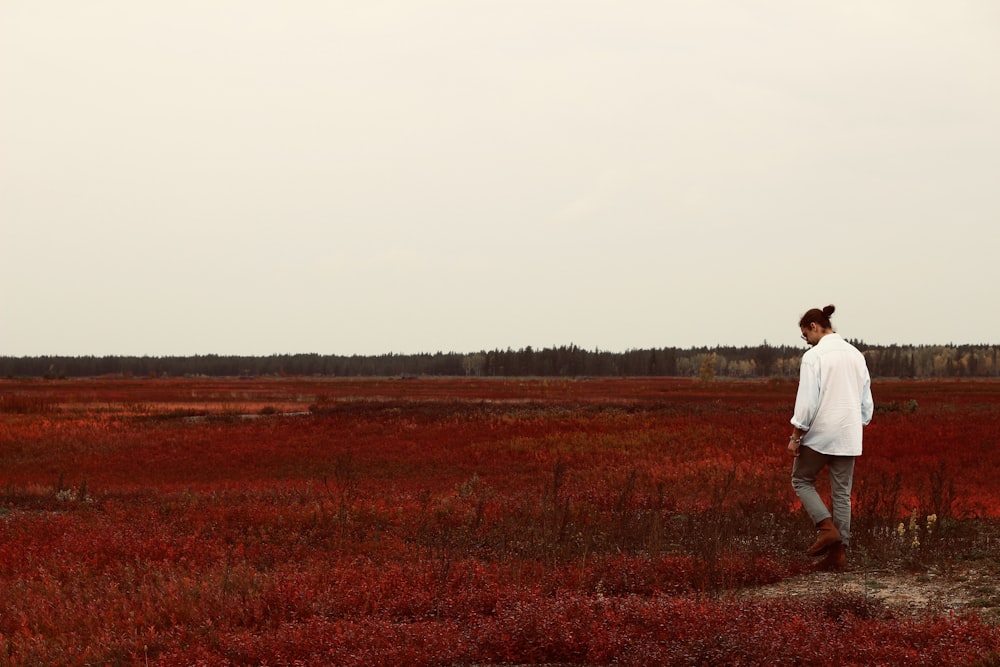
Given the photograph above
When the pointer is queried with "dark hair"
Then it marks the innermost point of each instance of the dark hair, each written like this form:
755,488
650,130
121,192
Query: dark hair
820,317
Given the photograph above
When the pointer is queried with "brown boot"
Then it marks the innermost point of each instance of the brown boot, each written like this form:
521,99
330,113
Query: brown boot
828,536
834,561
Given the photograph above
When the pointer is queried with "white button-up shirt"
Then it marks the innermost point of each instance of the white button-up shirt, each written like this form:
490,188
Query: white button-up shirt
834,400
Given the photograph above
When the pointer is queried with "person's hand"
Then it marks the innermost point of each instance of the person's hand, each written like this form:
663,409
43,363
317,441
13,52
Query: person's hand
793,446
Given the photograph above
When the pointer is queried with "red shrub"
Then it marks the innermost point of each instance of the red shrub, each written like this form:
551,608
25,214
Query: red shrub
285,522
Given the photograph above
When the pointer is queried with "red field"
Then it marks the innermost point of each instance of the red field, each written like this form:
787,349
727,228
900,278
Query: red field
466,522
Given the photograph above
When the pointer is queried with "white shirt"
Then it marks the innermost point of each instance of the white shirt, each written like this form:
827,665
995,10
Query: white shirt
834,400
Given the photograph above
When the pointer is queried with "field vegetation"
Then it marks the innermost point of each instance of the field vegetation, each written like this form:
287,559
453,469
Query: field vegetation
603,521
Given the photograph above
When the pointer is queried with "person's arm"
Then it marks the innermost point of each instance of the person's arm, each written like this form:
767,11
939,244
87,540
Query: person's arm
806,404
807,397
867,403
795,440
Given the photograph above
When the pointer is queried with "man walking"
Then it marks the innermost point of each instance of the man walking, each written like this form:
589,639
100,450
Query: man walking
832,405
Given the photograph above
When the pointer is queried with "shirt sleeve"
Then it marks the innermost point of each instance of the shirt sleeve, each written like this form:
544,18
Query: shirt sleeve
807,397
867,403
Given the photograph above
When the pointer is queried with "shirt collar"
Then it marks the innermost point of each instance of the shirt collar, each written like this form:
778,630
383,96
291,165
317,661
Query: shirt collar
832,333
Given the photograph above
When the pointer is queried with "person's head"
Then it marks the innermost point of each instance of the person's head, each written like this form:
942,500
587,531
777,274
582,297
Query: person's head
816,323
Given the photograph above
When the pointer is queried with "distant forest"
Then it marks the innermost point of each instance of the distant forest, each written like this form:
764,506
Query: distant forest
925,361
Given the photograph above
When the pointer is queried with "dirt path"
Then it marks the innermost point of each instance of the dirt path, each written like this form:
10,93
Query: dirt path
960,590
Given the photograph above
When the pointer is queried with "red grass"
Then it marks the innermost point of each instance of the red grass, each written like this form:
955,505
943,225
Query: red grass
437,522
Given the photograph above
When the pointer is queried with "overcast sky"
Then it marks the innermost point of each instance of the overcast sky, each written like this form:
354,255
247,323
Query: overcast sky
259,177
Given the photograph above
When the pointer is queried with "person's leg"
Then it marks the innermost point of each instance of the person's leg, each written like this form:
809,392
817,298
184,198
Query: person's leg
841,479
804,471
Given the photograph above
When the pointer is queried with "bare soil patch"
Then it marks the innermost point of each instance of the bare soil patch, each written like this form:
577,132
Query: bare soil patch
970,588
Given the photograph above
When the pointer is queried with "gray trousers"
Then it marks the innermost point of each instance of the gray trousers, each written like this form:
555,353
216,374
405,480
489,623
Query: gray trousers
806,468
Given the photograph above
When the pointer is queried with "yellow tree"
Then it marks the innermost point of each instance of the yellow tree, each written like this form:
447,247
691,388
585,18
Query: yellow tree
707,372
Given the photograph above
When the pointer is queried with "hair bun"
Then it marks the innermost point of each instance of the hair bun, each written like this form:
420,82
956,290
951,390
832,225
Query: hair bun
828,311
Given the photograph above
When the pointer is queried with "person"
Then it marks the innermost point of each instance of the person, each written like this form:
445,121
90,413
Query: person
832,405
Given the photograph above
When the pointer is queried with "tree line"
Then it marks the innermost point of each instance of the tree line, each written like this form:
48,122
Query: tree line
923,361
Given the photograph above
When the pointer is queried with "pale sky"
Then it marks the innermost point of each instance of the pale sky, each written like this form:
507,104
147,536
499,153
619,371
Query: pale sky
260,177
